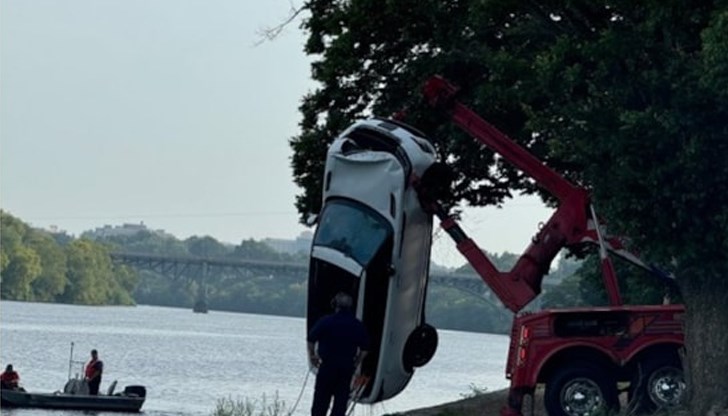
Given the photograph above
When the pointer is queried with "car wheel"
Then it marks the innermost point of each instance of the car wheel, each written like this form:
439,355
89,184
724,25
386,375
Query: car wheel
660,385
420,347
436,183
580,390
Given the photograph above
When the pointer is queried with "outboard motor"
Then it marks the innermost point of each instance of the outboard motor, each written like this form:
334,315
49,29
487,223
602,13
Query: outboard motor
135,391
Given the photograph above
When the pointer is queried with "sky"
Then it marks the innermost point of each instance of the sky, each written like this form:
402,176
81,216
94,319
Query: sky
171,113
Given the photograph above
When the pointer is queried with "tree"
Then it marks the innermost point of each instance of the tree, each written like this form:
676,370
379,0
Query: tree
626,98
503,262
13,231
89,273
251,249
39,266
205,247
4,260
566,294
454,309
143,241
52,279
22,269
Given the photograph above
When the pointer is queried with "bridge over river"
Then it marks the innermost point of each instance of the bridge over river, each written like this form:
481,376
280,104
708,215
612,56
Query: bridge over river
202,269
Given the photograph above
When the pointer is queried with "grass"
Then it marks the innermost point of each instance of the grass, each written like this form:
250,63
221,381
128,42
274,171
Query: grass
229,406
476,402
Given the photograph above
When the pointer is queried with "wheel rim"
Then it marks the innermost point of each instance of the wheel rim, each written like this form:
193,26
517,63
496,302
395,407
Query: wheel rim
666,387
581,397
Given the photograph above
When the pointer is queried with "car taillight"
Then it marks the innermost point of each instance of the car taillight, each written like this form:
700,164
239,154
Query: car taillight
523,345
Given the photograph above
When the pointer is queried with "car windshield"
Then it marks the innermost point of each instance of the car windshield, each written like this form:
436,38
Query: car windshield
353,229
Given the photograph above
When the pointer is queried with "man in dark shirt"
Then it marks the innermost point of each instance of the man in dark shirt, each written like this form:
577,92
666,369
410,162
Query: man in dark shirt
342,345
94,369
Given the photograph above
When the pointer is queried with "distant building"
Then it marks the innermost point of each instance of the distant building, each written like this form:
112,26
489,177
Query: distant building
122,230
61,236
302,243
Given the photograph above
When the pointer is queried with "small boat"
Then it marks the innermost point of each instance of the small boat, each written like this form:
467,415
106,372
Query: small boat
130,400
75,396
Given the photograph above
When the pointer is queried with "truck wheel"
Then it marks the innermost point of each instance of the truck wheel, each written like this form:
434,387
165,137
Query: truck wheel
660,385
420,347
580,390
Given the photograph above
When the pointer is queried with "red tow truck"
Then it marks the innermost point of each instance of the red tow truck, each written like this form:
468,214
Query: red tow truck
582,355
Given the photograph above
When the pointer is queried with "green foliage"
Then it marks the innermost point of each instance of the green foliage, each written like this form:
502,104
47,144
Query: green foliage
4,259
586,286
503,262
22,269
52,280
156,289
143,242
36,267
12,233
566,294
453,309
251,249
205,247
89,273
622,97
248,407
568,291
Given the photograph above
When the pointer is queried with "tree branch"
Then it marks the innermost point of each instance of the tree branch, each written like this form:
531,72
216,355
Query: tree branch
270,33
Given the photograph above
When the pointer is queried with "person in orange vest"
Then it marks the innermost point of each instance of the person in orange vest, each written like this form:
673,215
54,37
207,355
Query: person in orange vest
10,379
94,369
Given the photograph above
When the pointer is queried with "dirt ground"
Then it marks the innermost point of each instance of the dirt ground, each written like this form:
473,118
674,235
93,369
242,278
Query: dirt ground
488,404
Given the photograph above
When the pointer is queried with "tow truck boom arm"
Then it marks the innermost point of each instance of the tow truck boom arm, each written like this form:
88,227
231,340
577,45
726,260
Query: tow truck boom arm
572,223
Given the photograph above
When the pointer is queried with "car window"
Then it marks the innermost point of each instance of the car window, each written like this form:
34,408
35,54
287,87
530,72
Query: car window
353,229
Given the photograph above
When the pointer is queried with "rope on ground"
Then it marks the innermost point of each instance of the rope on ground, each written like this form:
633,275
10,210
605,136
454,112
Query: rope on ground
305,380
353,404
361,383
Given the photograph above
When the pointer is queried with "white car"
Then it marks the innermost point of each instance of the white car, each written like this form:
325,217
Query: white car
373,242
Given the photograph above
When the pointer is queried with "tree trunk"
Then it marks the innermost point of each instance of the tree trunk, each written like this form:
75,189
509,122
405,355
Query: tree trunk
706,340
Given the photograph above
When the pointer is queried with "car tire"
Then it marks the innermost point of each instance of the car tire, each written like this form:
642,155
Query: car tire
436,183
659,385
420,347
579,390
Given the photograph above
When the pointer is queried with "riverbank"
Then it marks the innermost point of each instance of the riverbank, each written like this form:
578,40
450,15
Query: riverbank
490,404
482,404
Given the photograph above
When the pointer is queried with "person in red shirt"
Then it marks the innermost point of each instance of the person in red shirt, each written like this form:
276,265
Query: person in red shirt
94,369
10,379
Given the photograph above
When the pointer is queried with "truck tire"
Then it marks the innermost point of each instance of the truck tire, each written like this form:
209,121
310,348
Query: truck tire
659,385
420,347
581,389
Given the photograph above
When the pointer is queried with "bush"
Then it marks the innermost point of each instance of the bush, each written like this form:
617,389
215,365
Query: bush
249,407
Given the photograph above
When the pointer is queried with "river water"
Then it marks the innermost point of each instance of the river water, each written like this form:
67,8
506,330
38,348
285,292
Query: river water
189,361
